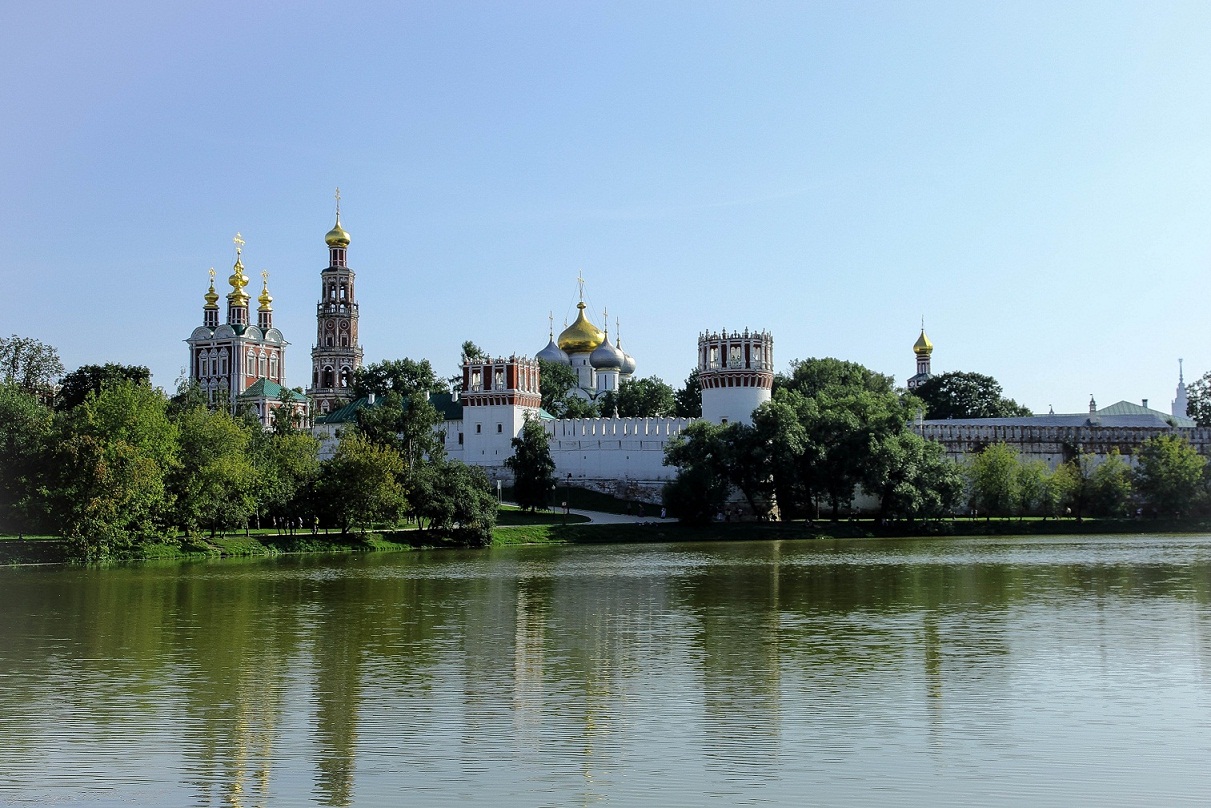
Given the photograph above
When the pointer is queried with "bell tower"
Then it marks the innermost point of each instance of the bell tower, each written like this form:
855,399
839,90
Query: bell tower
337,353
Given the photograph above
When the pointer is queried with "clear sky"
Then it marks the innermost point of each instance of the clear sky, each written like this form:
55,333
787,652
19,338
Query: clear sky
1032,178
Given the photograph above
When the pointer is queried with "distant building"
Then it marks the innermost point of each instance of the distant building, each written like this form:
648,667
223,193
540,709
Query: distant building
1181,404
237,361
922,349
337,352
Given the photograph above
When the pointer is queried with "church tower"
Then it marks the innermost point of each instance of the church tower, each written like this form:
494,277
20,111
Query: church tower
337,353
922,348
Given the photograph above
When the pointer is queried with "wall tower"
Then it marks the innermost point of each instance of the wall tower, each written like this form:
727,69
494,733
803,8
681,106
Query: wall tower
737,374
496,395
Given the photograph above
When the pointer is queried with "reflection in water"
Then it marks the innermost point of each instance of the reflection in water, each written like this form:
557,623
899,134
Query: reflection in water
1063,670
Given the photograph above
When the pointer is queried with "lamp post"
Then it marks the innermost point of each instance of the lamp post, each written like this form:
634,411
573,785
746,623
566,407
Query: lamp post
566,490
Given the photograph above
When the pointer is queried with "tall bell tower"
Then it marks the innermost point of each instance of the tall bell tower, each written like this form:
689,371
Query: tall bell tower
337,352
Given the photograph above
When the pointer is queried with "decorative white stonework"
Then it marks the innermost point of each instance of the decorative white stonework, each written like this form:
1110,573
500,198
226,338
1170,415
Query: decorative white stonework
736,370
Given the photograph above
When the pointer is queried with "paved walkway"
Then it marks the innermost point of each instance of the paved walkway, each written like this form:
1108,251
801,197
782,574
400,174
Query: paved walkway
602,518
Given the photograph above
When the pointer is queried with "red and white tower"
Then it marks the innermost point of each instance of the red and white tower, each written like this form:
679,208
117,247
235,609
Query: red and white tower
496,396
737,374
337,353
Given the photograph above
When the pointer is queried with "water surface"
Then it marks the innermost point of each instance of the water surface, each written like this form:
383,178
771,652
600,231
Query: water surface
1041,671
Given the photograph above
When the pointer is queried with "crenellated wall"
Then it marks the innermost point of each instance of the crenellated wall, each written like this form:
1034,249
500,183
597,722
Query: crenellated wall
1054,444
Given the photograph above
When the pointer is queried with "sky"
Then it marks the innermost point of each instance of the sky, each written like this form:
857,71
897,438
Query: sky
1032,179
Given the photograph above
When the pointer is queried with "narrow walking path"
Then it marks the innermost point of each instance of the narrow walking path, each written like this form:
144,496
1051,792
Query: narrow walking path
603,518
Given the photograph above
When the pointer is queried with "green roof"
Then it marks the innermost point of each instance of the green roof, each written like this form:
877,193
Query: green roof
1127,408
263,388
444,403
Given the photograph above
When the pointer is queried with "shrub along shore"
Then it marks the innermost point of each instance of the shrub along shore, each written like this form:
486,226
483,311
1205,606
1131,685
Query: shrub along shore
521,529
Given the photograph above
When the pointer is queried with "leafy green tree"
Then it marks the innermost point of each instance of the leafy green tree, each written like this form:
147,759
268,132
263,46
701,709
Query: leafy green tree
1111,487
112,456
406,377
994,478
748,456
454,498
360,484
701,487
966,395
779,426
288,466
1170,474
913,478
1034,492
29,365
1198,400
86,379
24,428
1071,485
215,483
532,466
688,400
640,398
407,425
557,384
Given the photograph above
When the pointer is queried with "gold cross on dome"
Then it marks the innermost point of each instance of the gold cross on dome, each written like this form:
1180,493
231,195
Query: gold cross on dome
265,276
212,276
580,283
338,203
238,241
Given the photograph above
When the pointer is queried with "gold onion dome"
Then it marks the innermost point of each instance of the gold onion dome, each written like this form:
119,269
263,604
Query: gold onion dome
922,347
581,336
337,236
211,296
266,300
238,281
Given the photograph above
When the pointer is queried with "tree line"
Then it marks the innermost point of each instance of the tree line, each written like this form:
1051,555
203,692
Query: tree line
834,429
112,464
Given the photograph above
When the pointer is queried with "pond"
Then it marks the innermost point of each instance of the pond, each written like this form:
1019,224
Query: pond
1043,671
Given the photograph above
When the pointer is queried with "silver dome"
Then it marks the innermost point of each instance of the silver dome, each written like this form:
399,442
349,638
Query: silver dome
553,353
606,356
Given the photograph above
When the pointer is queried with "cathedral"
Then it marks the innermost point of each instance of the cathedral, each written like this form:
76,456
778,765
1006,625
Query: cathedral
236,361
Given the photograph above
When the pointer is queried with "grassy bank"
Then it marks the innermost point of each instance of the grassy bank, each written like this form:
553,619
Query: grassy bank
517,528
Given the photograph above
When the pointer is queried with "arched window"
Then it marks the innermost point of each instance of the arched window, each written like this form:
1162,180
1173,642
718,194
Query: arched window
273,365
328,378
344,340
344,377
262,365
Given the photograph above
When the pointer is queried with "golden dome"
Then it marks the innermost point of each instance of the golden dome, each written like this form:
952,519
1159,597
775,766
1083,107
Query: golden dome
337,236
922,347
238,281
211,297
266,299
581,336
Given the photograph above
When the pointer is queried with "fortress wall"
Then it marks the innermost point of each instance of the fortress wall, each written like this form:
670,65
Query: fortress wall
1055,444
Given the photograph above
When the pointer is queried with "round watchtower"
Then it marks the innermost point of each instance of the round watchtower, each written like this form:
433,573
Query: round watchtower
736,370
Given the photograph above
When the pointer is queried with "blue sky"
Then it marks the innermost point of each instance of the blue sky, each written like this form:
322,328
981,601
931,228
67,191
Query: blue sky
1032,178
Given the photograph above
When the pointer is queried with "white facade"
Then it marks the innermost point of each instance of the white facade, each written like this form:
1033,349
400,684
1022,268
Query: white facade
736,370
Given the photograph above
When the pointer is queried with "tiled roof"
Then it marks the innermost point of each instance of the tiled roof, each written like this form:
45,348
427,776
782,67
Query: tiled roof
263,388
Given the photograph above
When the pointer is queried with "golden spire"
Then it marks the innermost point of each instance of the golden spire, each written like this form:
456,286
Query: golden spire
211,296
265,298
581,336
238,279
337,236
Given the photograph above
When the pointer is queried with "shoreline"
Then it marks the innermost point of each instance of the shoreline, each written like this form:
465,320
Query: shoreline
45,550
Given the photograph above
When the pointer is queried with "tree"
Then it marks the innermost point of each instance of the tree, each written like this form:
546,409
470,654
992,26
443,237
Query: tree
29,365
215,484
688,400
24,426
532,466
403,376
406,424
108,473
1170,474
455,498
359,485
639,398
1198,400
1035,495
701,486
288,466
558,383
966,395
913,478
994,478
1110,491
86,379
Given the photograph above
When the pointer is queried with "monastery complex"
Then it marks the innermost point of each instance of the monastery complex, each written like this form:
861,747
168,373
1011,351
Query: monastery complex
244,362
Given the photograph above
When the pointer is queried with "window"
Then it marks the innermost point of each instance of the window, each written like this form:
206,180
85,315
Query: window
478,428
477,381
500,379
460,439
500,428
